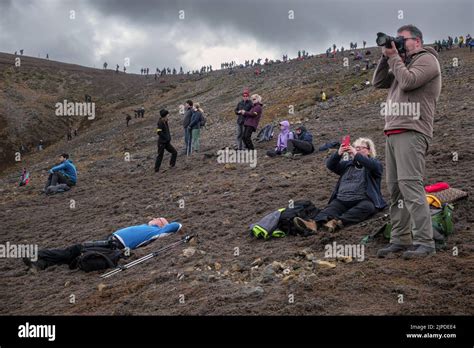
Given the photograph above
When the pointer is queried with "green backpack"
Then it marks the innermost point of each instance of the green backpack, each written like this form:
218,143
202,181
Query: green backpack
441,220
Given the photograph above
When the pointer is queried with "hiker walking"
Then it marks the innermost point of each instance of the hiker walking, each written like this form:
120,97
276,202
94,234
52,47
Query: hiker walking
252,117
69,134
164,141
357,194
282,141
245,104
40,145
407,140
63,173
186,122
128,119
197,119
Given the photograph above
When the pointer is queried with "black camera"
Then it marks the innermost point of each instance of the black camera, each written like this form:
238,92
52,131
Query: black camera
386,40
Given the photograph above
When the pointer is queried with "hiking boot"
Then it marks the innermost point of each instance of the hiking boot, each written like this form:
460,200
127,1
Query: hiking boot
420,251
34,265
304,225
333,225
392,248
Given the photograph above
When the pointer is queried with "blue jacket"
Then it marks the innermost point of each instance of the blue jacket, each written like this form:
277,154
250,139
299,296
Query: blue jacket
373,175
66,168
196,119
136,236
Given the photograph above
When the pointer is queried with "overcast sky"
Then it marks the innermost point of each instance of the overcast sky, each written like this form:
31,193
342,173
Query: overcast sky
151,33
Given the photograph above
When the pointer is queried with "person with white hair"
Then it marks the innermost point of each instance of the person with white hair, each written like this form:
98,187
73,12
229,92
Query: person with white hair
252,117
357,195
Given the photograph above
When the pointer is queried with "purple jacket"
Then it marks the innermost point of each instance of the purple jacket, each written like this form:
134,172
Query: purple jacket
253,116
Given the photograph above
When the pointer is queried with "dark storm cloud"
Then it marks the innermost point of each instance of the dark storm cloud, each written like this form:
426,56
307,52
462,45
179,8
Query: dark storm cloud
315,21
151,33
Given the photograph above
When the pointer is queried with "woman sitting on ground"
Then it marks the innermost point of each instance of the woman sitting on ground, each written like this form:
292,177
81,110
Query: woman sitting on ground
283,138
357,195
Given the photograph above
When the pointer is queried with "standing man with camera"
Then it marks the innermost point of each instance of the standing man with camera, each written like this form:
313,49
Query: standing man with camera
412,74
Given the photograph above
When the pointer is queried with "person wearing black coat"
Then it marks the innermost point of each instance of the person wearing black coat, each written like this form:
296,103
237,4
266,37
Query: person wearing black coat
244,104
164,141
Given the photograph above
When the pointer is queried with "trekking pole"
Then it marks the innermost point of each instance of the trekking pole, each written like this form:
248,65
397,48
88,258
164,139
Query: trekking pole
119,269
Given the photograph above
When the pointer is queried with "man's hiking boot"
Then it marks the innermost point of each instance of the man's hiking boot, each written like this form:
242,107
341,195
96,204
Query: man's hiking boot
305,225
34,266
333,225
392,248
419,252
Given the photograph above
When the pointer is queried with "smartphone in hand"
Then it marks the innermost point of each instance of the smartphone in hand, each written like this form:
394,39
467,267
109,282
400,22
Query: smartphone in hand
346,141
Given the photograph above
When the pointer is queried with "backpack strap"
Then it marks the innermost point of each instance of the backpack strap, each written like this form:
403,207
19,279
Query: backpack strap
88,254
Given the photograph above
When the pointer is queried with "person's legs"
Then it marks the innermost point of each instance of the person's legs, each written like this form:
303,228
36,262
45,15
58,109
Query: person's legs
55,179
196,138
61,178
300,146
399,215
173,152
186,138
50,257
240,134
159,158
361,211
332,211
48,182
247,138
410,154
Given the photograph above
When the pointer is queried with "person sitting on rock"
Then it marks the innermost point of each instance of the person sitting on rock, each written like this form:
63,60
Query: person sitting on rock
282,141
302,144
357,195
63,173
130,238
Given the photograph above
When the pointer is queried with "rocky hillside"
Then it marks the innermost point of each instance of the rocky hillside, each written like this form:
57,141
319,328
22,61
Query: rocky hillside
219,201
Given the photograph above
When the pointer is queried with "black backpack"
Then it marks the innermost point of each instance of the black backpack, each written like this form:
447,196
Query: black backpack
303,209
97,258
266,133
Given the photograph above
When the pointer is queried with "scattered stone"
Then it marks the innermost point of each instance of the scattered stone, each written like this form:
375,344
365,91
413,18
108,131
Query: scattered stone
188,252
325,263
101,287
268,274
257,262
252,291
230,166
345,259
217,266
277,266
237,266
